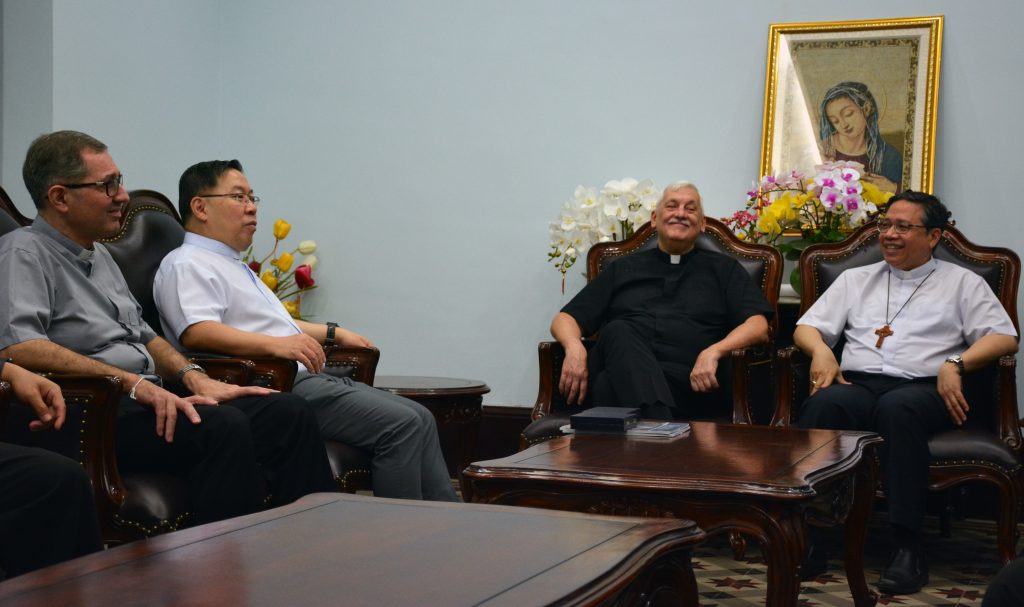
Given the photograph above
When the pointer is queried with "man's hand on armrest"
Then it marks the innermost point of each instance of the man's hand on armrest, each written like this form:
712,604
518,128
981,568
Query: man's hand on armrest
824,366
703,377
39,393
573,381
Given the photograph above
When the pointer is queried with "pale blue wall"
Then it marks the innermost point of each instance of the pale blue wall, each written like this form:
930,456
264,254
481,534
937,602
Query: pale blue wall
426,146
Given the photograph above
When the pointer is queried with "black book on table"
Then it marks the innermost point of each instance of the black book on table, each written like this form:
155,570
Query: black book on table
605,419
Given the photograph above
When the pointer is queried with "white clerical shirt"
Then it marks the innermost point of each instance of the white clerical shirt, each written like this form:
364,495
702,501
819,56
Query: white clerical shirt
952,309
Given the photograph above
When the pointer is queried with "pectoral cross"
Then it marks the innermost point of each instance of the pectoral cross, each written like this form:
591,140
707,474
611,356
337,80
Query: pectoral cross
882,334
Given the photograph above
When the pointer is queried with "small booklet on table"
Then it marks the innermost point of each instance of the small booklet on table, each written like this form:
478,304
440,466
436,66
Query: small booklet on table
658,429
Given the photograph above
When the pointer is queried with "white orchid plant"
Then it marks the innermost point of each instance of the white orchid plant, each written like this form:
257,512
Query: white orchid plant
614,213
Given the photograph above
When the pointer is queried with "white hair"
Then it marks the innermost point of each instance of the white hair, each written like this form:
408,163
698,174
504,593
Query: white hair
681,185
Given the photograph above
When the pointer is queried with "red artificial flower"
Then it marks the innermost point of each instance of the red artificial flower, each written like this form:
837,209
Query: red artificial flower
304,277
255,265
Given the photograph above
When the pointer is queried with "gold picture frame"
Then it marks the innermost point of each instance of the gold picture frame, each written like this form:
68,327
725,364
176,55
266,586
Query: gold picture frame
820,74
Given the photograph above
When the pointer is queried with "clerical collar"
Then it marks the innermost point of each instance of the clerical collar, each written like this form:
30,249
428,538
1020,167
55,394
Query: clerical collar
81,255
43,227
209,244
674,259
919,272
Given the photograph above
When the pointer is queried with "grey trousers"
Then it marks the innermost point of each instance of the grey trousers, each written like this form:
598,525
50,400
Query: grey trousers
401,434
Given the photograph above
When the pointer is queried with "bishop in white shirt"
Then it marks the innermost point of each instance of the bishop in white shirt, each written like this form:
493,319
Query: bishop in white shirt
913,325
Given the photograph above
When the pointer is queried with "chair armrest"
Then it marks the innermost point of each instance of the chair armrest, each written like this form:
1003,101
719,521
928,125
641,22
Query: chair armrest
5,404
237,371
1006,402
550,356
88,435
751,372
275,373
279,373
362,361
791,372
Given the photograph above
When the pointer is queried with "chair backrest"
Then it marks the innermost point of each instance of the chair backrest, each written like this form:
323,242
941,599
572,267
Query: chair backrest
11,219
821,264
150,229
762,262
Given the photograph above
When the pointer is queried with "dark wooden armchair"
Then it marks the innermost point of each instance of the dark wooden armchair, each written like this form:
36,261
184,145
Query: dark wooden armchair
151,228
752,367
987,450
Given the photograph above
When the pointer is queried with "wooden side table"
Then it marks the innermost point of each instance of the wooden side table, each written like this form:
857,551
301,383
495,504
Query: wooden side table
456,405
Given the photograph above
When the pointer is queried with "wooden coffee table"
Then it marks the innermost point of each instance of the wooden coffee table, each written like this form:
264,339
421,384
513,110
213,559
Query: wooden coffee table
757,480
337,549
456,405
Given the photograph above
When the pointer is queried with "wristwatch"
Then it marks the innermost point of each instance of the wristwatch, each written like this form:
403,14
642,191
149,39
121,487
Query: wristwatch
187,368
329,340
957,360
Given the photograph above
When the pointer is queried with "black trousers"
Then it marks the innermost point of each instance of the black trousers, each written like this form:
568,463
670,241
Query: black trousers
624,372
46,510
905,413
237,447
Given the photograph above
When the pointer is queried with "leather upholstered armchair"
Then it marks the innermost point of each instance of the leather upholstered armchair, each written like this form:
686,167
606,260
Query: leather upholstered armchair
989,447
151,228
752,367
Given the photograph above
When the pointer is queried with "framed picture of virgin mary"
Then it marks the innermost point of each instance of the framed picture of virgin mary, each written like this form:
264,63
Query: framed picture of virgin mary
864,91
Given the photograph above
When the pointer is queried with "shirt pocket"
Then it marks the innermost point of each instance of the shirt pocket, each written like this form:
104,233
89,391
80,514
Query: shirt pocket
128,316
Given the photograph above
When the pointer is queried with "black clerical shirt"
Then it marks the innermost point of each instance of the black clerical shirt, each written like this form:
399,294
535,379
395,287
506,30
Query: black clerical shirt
683,308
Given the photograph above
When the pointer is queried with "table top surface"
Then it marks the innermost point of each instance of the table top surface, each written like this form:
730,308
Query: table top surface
344,549
731,458
430,385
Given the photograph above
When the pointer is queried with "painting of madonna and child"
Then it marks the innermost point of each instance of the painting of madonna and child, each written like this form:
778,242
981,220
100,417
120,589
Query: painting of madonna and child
859,96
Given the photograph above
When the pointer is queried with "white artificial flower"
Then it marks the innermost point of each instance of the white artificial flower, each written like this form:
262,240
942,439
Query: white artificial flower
568,222
310,260
591,216
307,247
614,208
621,187
586,198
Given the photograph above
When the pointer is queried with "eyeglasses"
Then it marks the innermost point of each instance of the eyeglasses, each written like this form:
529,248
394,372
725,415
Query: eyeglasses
237,197
111,186
883,226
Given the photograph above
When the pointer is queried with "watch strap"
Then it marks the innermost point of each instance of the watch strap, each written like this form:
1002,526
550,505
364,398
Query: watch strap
187,368
957,360
331,328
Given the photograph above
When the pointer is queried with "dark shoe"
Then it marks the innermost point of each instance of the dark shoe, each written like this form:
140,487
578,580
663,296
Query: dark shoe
815,563
907,573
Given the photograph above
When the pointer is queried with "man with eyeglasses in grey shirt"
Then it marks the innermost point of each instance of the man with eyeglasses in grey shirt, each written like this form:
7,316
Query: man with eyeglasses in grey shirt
67,308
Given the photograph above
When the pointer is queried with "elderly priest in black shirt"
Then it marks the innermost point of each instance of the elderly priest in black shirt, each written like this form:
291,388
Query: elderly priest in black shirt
666,317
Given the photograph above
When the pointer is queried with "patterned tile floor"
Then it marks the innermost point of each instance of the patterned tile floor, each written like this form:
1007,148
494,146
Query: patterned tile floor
960,569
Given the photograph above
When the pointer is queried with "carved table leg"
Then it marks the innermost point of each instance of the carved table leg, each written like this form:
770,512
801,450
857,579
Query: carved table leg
781,551
856,530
